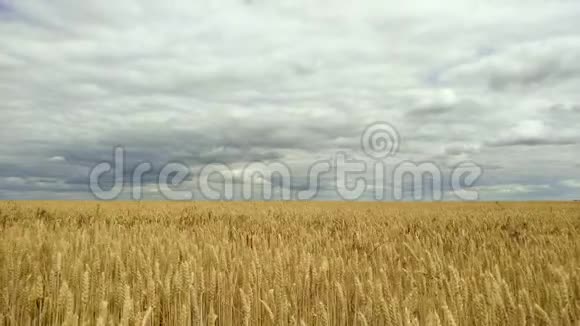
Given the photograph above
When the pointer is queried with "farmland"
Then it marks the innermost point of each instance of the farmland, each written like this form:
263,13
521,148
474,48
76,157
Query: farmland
289,263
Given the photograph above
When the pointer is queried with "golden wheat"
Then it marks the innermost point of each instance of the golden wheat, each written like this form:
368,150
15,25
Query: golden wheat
85,263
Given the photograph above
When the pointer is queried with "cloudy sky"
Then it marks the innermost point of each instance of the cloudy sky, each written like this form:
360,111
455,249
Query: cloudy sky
295,81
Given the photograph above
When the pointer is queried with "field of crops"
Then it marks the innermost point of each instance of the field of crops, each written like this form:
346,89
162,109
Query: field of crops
83,263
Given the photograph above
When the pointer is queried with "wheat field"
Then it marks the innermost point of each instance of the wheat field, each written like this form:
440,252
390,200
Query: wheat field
87,263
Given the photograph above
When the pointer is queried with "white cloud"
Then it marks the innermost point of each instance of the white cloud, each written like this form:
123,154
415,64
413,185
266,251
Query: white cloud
511,188
571,183
531,133
57,159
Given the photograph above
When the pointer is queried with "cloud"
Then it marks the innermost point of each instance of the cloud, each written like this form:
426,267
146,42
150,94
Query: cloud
528,65
57,159
511,188
442,102
237,81
531,133
564,108
571,183
462,149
